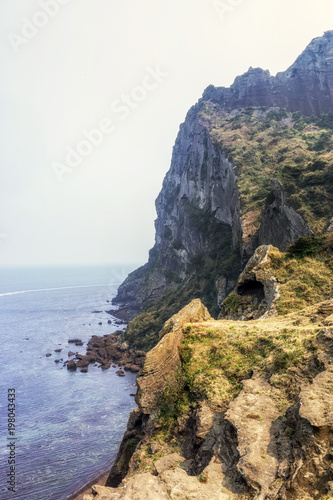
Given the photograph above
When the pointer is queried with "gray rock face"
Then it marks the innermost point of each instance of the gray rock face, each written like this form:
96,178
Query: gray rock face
281,225
307,86
199,189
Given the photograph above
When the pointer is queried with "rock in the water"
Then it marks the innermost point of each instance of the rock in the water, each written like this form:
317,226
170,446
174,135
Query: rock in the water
120,373
83,362
71,365
48,354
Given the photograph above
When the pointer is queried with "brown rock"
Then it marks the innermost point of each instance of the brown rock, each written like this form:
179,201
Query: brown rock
48,355
71,365
74,341
120,373
57,350
168,462
106,365
163,360
252,414
83,363
257,289
71,353
84,370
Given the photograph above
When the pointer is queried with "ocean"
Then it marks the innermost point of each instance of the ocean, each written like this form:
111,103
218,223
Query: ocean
68,425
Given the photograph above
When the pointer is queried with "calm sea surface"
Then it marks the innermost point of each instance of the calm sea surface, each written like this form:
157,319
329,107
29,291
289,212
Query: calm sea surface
68,425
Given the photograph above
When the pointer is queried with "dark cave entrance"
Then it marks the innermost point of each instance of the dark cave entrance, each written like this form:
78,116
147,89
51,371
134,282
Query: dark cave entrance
253,288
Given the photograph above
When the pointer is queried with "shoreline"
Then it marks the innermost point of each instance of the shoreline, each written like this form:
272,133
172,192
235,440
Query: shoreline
86,488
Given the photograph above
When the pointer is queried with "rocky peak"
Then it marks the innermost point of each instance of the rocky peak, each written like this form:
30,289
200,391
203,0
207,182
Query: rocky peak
307,86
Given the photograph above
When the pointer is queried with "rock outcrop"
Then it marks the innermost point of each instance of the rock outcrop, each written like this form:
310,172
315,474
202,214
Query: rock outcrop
163,361
255,291
281,225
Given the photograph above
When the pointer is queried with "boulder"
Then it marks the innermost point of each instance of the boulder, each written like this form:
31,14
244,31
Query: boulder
71,365
83,363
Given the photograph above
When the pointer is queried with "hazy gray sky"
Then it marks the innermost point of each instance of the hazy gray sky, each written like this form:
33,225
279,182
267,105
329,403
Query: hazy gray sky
132,69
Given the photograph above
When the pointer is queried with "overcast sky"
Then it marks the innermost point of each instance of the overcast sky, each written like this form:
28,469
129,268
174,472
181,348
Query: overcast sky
92,94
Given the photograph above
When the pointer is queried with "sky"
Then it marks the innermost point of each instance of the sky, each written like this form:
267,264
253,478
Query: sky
92,94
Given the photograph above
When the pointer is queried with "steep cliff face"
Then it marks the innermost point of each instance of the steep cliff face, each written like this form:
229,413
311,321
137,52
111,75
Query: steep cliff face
246,170
198,216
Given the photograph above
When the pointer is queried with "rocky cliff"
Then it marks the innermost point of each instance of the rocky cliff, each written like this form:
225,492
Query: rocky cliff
249,167
241,410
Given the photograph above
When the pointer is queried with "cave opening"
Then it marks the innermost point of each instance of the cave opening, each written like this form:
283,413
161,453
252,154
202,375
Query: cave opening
253,288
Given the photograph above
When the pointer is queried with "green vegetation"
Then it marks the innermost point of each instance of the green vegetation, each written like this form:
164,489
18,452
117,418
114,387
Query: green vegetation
214,363
305,273
295,149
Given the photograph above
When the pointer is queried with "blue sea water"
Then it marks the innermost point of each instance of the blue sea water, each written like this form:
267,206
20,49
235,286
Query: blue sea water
68,425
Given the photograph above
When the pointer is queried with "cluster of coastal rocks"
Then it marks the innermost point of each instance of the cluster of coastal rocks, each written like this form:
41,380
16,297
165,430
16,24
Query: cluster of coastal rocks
106,351
103,351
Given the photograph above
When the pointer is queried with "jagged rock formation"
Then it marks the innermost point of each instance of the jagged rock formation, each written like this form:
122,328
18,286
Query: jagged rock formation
205,228
307,86
281,225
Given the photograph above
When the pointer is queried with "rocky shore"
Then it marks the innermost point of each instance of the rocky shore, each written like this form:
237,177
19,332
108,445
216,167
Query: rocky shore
105,351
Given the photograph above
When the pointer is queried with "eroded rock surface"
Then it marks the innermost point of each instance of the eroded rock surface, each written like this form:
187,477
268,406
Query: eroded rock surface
163,360
256,288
